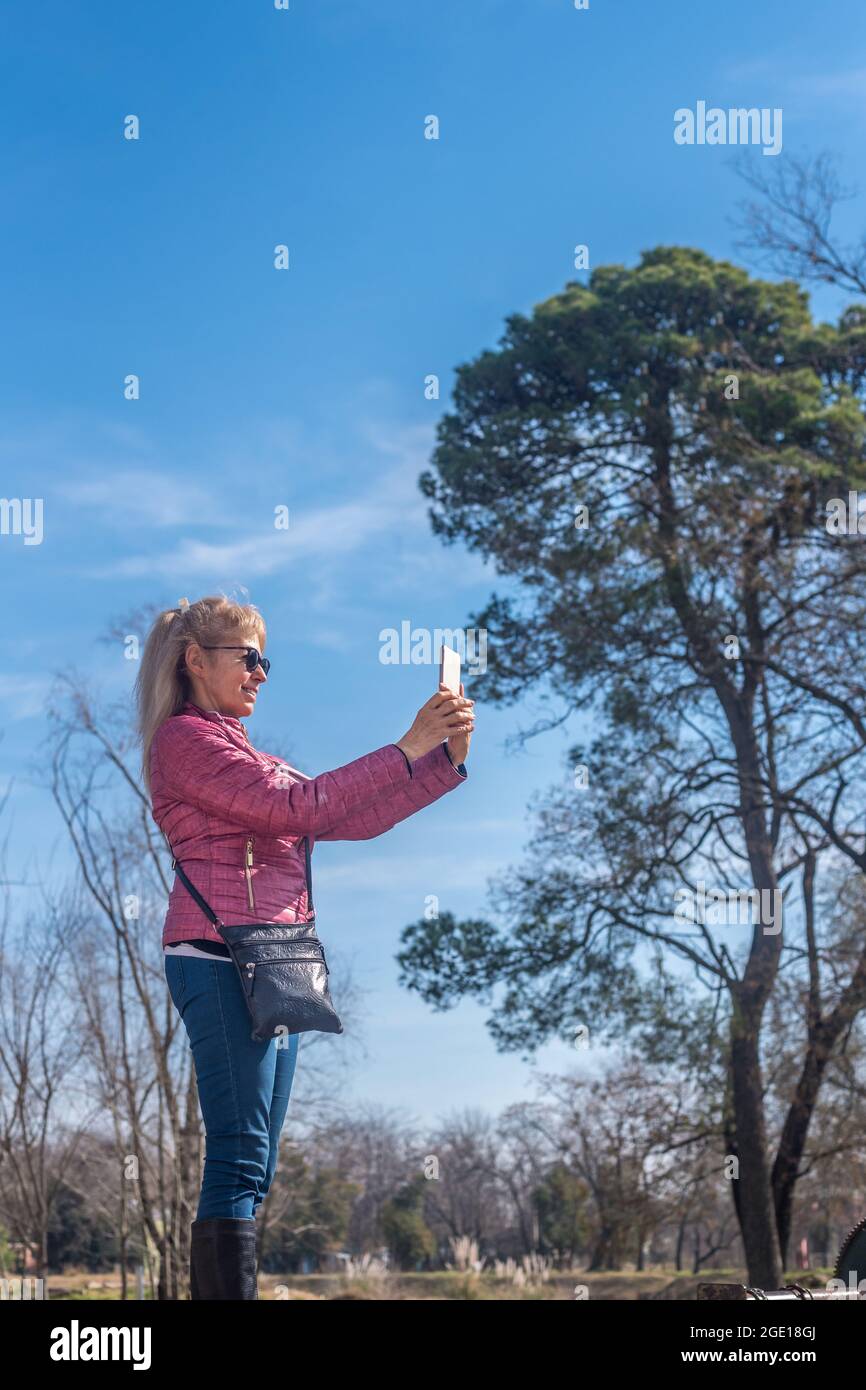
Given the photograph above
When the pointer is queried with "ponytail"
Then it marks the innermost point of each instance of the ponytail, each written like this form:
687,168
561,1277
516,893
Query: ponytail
162,686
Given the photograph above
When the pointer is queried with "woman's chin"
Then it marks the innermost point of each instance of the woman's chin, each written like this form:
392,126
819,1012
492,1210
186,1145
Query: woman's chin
241,709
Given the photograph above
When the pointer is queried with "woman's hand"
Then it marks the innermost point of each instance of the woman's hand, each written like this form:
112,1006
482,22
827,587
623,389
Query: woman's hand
445,716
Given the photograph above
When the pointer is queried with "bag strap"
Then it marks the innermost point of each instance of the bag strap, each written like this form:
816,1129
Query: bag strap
191,889
309,874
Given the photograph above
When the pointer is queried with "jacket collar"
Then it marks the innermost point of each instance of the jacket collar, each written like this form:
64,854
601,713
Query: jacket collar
213,715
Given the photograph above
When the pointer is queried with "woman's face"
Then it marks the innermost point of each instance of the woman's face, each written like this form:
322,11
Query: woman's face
220,679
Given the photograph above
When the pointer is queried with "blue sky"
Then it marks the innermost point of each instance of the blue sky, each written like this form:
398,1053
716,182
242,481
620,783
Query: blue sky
305,387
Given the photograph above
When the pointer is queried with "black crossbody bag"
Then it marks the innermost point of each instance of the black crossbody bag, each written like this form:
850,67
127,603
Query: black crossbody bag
282,969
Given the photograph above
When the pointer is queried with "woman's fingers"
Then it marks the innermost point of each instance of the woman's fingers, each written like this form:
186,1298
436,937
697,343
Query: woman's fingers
445,714
446,692
450,708
456,700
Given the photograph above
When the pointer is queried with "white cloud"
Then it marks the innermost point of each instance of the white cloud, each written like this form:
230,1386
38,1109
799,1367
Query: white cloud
322,533
391,502
22,697
143,497
844,85
748,69
331,638
162,519
833,84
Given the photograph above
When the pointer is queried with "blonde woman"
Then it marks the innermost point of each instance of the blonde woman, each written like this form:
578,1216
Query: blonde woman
236,820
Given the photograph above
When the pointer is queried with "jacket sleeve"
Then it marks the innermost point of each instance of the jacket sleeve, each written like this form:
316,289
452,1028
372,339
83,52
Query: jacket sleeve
430,776
205,769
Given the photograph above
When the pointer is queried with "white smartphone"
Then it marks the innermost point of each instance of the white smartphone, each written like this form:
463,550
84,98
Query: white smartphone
449,668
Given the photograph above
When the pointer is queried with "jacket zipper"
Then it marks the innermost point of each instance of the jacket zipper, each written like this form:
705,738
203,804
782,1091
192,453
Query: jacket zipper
248,867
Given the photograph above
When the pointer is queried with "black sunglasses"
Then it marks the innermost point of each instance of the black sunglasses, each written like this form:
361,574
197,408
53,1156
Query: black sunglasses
253,658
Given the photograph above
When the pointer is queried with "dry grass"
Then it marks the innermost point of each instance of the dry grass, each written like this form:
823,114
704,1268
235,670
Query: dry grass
509,1282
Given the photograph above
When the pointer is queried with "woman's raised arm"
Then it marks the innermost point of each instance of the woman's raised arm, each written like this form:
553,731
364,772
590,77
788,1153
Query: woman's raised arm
431,776
204,768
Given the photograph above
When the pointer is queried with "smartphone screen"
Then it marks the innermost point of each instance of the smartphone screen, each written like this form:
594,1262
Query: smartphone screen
449,668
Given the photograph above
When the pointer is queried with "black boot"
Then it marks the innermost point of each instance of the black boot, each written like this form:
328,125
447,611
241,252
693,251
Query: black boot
222,1260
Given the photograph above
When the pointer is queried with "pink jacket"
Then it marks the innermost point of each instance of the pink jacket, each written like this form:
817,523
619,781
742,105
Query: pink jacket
236,818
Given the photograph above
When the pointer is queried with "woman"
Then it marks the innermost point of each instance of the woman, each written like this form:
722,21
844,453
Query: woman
236,820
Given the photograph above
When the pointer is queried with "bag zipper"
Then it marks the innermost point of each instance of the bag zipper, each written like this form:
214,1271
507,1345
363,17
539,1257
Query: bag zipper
248,867
286,960
250,966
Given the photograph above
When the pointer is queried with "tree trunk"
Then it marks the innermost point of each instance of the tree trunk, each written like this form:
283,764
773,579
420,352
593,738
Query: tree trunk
750,995
757,1223
681,1236
601,1253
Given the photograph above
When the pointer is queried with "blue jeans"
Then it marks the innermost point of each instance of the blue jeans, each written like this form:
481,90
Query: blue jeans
243,1086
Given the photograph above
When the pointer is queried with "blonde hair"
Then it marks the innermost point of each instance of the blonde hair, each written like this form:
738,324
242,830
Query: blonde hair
162,685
